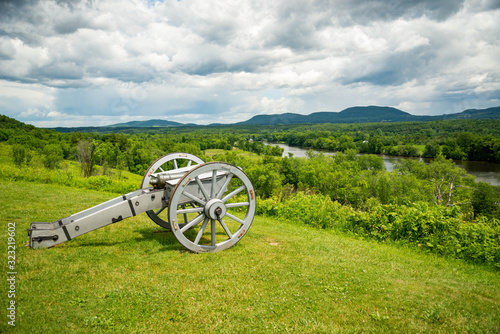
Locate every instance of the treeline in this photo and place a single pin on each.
(345, 177)
(361, 181)
(473, 140)
(133, 152)
(458, 140)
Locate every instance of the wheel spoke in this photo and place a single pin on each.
(225, 228)
(235, 205)
(160, 210)
(194, 198)
(214, 181)
(235, 218)
(184, 214)
(200, 232)
(195, 209)
(224, 186)
(203, 190)
(195, 221)
(189, 163)
(233, 193)
(213, 232)
(175, 164)
(161, 169)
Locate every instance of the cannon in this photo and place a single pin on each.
(179, 192)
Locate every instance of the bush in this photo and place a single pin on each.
(441, 230)
(20, 155)
(53, 156)
(484, 200)
(67, 178)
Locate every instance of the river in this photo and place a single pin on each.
(483, 171)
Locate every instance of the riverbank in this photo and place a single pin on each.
(483, 171)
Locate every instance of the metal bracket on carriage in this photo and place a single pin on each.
(194, 194)
(43, 235)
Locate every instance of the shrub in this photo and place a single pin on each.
(441, 230)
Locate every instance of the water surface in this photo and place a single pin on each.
(483, 171)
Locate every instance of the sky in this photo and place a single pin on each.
(91, 63)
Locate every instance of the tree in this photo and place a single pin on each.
(19, 155)
(445, 176)
(410, 166)
(451, 150)
(371, 162)
(53, 155)
(266, 179)
(432, 150)
(484, 200)
(410, 151)
(85, 153)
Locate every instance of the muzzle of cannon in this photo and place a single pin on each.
(208, 206)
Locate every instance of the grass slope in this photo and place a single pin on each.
(133, 277)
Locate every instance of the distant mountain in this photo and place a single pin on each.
(10, 123)
(362, 115)
(288, 118)
(152, 123)
(490, 113)
(368, 114)
(350, 115)
(125, 127)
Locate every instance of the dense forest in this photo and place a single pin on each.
(346, 177)
(458, 140)
(440, 191)
(472, 140)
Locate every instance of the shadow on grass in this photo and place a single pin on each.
(94, 243)
(162, 236)
(168, 240)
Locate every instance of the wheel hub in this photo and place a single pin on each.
(215, 209)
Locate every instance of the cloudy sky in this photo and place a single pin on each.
(98, 62)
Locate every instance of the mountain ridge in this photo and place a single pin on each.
(367, 114)
(152, 123)
(358, 114)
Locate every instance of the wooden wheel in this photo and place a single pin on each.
(223, 207)
(168, 164)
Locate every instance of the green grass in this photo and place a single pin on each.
(133, 277)
(421, 148)
(68, 173)
(240, 153)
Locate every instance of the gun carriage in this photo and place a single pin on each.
(208, 207)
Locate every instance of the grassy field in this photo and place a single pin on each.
(133, 277)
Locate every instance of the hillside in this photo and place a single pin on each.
(133, 276)
(146, 124)
(11, 123)
(369, 114)
(362, 115)
(350, 115)
(287, 118)
(306, 265)
(490, 113)
(366, 114)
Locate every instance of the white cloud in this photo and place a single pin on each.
(32, 113)
(104, 61)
